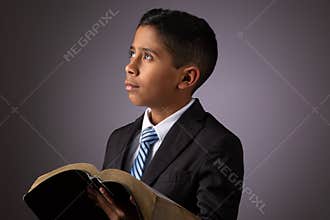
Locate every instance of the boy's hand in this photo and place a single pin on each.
(105, 202)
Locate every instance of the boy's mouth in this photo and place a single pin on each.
(130, 86)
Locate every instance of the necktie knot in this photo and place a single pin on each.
(149, 136)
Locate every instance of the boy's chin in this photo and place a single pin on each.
(137, 102)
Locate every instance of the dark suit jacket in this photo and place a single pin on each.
(199, 164)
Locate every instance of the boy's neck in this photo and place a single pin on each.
(159, 114)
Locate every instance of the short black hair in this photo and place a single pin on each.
(189, 39)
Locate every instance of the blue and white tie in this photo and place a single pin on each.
(148, 139)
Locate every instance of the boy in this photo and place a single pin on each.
(175, 145)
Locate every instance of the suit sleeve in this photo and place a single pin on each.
(220, 181)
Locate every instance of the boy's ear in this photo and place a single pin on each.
(189, 77)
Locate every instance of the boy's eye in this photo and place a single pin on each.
(131, 53)
(147, 57)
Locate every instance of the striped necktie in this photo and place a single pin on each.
(148, 139)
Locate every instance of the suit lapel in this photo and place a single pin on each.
(176, 140)
(124, 143)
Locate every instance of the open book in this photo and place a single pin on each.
(61, 194)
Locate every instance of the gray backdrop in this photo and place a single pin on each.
(270, 87)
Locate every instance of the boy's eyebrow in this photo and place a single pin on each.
(145, 49)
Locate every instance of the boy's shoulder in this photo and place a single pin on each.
(215, 126)
(215, 132)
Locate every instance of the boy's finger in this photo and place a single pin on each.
(107, 204)
(91, 193)
(106, 195)
(132, 200)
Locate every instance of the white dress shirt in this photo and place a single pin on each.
(161, 129)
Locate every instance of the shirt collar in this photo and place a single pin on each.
(165, 125)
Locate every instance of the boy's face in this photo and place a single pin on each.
(151, 78)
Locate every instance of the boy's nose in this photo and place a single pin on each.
(130, 69)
